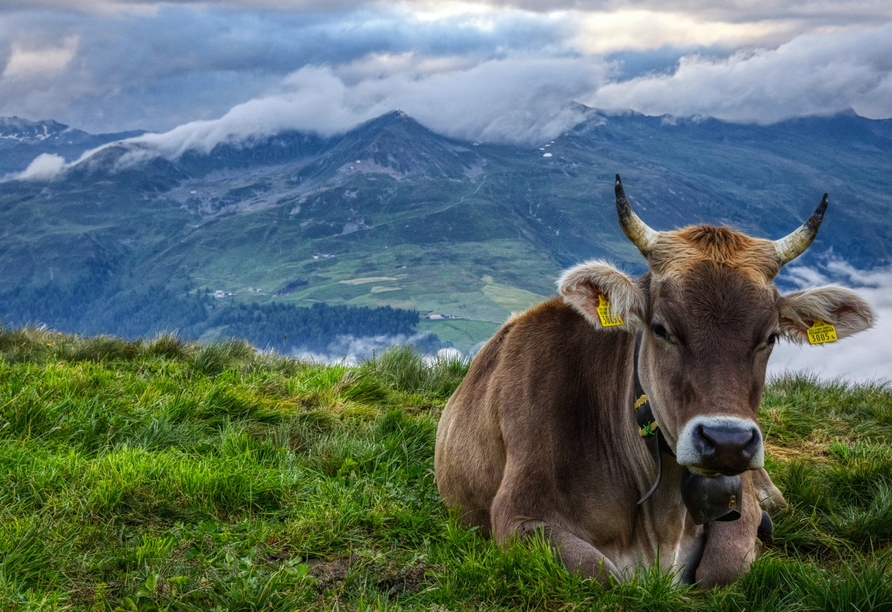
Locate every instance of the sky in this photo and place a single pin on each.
(496, 70)
(864, 357)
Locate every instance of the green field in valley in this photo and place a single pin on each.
(161, 475)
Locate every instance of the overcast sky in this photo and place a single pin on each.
(486, 69)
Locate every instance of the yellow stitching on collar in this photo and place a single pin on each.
(650, 429)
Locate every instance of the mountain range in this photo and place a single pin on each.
(129, 241)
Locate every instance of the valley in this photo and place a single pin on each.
(130, 242)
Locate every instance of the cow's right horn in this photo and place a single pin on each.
(793, 245)
(637, 230)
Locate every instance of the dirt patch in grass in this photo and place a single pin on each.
(411, 579)
(329, 573)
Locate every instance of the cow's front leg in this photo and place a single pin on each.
(731, 547)
(510, 523)
(575, 553)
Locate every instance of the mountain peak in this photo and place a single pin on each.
(396, 118)
(29, 132)
(397, 144)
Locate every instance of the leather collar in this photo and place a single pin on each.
(648, 428)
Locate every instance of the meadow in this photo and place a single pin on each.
(164, 475)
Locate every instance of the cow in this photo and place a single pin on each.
(544, 435)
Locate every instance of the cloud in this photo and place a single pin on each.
(839, 11)
(816, 74)
(131, 64)
(525, 98)
(118, 7)
(864, 357)
(45, 167)
(351, 350)
(513, 100)
(641, 30)
(25, 62)
(182, 63)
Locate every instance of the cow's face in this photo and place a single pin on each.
(709, 315)
(703, 360)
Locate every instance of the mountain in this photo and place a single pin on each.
(14, 130)
(391, 213)
(22, 140)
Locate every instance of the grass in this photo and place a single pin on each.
(161, 475)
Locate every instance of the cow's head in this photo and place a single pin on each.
(709, 315)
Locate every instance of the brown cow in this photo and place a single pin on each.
(542, 436)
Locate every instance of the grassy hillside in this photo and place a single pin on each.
(159, 475)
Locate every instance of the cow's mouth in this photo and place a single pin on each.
(711, 473)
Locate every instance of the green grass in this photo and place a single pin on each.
(161, 475)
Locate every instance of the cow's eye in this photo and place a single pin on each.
(660, 331)
(772, 339)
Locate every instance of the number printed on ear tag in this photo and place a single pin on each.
(821, 332)
(608, 318)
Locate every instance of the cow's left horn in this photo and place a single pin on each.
(792, 246)
(637, 230)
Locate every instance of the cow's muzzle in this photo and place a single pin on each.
(721, 445)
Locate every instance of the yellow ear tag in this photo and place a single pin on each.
(821, 332)
(608, 319)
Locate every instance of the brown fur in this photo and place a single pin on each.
(679, 250)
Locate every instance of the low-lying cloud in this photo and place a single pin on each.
(44, 167)
(351, 350)
(512, 100)
(863, 357)
(516, 100)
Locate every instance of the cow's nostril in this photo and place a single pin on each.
(705, 441)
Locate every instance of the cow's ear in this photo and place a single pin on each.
(589, 286)
(838, 306)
